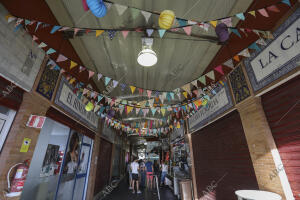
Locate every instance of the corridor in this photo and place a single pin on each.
(122, 192)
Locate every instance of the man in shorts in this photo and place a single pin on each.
(149, 172)
(135, 175)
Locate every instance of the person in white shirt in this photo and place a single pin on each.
(164, 172)
(135, 175)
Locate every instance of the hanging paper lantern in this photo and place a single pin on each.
(222, 32)
(166, 19)
(89, 106)
(97, 7)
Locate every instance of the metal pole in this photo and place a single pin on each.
(156, 180)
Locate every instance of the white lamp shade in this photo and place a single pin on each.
(147, 58)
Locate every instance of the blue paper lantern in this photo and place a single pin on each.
(97, 7)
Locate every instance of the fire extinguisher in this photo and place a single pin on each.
(15, 189)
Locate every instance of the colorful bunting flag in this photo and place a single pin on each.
(91, 73)
(125, 33)
(99, 32)
(149, 93)
(287, 2)
(219, 69)
(211, 75)
(120, 8)
(161, 32)
(188, 30)
(254, 47)
(50, 51)
(227, 21)
(263, 12)
(214, 23)
(229, 63)
(182, 22)
(132, 88)
(241, 16)
(115, 83)
(236, 58)
(72, 64)
(235, 31)
(252, 13)
(273, 8)
(61, 58)
(99, 76)
(244, 53)
(106, 80)
(134, 12)
(111, 34)
(185, 94)
(149, 32)
(147, 15)
(202, 79)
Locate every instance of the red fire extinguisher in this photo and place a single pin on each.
(15, 189)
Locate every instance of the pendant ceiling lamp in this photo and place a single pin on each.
(147, 57)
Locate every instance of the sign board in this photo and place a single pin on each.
(36, 121)
(278, 57)
(25, 145)
(67, 100)
(20, 59)
(216, 105)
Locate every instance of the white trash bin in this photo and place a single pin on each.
(256, 195)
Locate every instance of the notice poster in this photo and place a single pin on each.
(50, 161)
(84, 159)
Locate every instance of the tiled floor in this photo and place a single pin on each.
(123, 193)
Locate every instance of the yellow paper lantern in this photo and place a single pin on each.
(166, 19)
(89, 106)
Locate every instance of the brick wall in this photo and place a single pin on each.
(10, 155)
(260, 143)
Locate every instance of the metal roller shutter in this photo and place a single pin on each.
(282, 109)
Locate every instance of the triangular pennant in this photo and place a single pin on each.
(254, 47)
(244, 53)
(188, 30)
(99, 32)
(273, 8)
(42, 45)
(241, 16)
(261, 42)
(236, 58)
(72, 64)
(229, 63)
(263, 12)
(191, 22)
(111, 34)
(129, 109)
(91, 73)
(211, 75)
(37, 26)
(141, 91)
(235, 31)
(182, 22)
(54, 29)
(147, 15)
(252, 13)
(161, 32)
(125, 33)
(61, 58)
(214, 23)
(120, 8)
(185, 94)
(287, 2)
(172, 95)
(108, 5)
(134, 12)
(50, 51)
(106, 80)
(149, 32)
(194, 83)
(137, 110)
(163, 111)
(219, 69)
(187, 88)
(202, 79)
(9, 18)
(227, 21)
(76, 31)
(132, 88)
(99, 76)
(115, 83)
(149, 93)
(145, 111)
(153, 110)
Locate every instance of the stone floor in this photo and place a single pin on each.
(123, 193)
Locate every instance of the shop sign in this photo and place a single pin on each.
(35, 121)
(66, 99)
(278, 57)
(216, 105)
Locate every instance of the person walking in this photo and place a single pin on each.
(142, 173)
(135, 175)
(156, 168)
(129, 174)
(164, 172)
(149, 172)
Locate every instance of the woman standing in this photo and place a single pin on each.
(164, 172)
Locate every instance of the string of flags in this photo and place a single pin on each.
(184, 24)
(186, 91)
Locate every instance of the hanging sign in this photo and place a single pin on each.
(279, 57)
(67, 100)
(217, 105)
